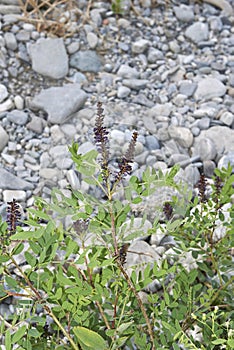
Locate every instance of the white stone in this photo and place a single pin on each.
(209, 88)
(3, 138)
(5, 106)
(18, 195)
(19, 102)
(3, 92)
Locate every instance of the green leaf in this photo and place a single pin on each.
(18, 334)
(219, 341)
(230, 342)
(137, 200)
(8, 343)
(18, 249)
(4, 258)
(124, 326)
(88, 339)
(25, 235)
(11, 282)
(31, 260)
(34, 333)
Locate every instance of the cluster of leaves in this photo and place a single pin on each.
(74, 291)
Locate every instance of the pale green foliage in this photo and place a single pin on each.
(81, 286)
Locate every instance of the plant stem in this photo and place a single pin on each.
(45, 307)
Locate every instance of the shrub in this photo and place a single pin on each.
(66, 267)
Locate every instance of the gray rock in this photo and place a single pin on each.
(17, 117)
(60, 102)
(3, 138)
(187, 88)
(209, 88)
(154, 55)
(128, 72)
(197, 32)
(161, 110)
(151, 142)
(191, 175)
(184, 13)
(36, 125)
(10, 9)
(92, 40)
(222, 136)
(3, 93)
(123, 92)
(208, 168)
(86, 61)
(228, 158)
(204, 123)
(135, 84)
(10, 40)
(140, 46)
(60, 151)
(206, 149)
(9, 181)
(73, 47)
(227, 118)
(73, 179)
(150, 124)
(49, 57)
(23, 35)
(96, 17)
(183, 136)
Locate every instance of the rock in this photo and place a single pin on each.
(140, 46)
(73, 47)
(183, 136)
(73, 179)
(3, 138)
(154, 55)
(208, 168)
(48, 173)
(135, 84)
(222, 136)
(209, 88)
(36, 125)
(191, 175)
(204, 123)
(9, 195)
(128, 72)
(184, 13)
(10, 40)
(205, 149)
(9, 9)
(86, 61)
(139, 255)
(17, 117)
(187, 88)
(197, 32)
(92, 40)
(123, 92)
(117, 136)
(150, 124)
(161, 110)
(19, 102)
(49, 57)
(60, 102)
(9, 181)
(3, 93)
(228, 158)
(227, 118)
(151, 142)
